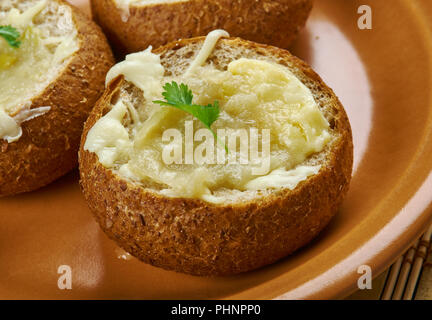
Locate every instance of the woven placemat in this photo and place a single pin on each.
(410, 277)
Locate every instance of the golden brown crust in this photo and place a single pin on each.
(49, 144)
(200, 238)
(159, 24)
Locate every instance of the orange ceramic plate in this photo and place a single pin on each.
(383, 77)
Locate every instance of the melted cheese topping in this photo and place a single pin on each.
(10, 127)
(109, 138)
(206, 50)
(251, 94)
(143, 69)
(27, 70)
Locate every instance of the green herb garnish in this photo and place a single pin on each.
(11, 35)
(181, 97)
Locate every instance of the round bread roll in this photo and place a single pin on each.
(133, 25)
(50, 82)
(246, 229)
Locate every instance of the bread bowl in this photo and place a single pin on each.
(234, 221)
(133, 25)
(49, 85)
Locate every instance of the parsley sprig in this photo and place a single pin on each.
(181, 97)
(11, 35)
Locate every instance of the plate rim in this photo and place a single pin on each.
(343, 286)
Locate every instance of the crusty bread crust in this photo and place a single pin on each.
(158, 24)
(49, 143)
(201, 238)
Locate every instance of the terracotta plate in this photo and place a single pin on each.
(383, 77)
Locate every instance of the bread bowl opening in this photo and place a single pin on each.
(253, 92)
(48, 39)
